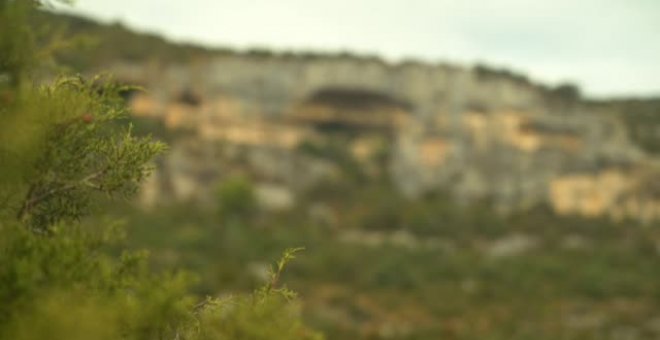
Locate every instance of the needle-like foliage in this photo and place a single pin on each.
(65, 143)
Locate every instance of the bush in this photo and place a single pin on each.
(236, 198)
(63, 146)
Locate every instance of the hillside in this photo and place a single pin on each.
(478, 133)
(435, 201)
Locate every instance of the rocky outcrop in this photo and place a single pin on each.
(488, 137)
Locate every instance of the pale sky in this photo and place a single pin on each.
(607, 47)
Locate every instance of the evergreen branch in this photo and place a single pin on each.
(31, 202)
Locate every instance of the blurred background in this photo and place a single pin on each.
(454, 169)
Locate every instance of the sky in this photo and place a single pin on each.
(607, 47)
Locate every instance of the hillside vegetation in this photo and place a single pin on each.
(376, 265)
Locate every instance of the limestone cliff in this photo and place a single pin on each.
(481, 137)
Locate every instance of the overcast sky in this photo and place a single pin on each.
(607, 47)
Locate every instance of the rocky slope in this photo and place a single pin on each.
(480, 134)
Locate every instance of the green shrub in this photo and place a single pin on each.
(236, 198)
(63, 146)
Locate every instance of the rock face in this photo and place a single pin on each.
(479, 135)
